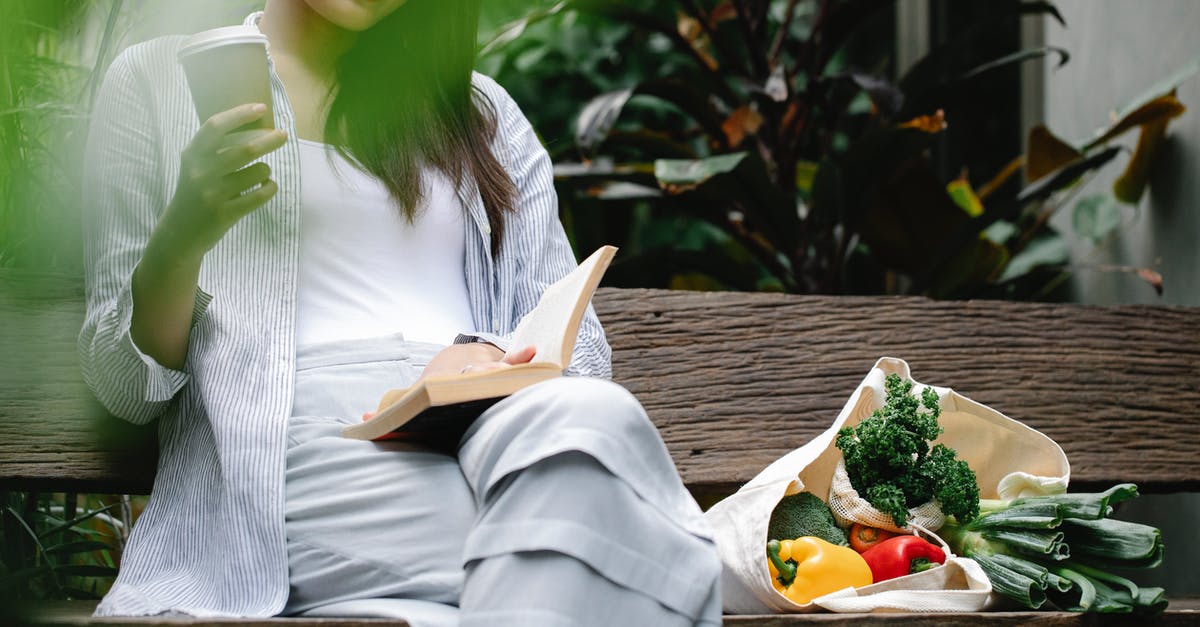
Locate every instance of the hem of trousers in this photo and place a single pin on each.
(684, 594)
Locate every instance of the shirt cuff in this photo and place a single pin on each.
(162, 383)
(499, 341)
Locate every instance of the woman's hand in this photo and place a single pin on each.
(216, 187)
(474, 357)
(464, 358)
(208, 200)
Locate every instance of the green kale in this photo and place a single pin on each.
(891, 465)
(804, 514)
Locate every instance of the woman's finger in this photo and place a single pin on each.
(237, 208)
(256, 144)
(523, 355)
(248, 177)
(209, 137)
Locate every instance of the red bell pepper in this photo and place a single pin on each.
(902, 555)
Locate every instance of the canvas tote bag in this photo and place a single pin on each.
(1009, 459)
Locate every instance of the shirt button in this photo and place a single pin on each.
(487, 229)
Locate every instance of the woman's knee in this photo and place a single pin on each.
(589, 403)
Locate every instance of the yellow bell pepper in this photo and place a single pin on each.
(806, 568)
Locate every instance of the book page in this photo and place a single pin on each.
(552, 325)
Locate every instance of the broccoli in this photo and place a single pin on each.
(804, 514)
(891, 465)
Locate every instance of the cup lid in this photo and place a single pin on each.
(226, 35)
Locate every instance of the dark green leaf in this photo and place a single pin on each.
(80, 546)
(1096, 216)
(1020, 56)
(516, 28)
(68, 524)
(77, 570)
(599, 115)
(1047, 250)
(1065, 176)
(689, 173)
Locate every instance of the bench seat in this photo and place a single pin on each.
(733, 381)
(1183, 612)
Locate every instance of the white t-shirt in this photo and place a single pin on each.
(365, 270)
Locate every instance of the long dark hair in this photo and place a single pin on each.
(404, 99)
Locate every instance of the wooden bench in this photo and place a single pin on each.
(733, 381)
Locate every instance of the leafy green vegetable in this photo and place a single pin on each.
(1057, 548)
(804, 514)
(890, 463)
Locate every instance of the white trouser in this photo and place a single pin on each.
(562, 507)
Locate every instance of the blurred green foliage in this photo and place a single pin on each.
(765, 145)
(60, 546)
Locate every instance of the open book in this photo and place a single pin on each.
(438, 410)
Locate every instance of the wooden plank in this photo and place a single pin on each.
(1181, 612)
(735, 380)
(732, 380)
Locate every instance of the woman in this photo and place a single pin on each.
(254, 295)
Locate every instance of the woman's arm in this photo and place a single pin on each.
(131, 255)
(213, 193)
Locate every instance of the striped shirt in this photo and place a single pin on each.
(211, 540)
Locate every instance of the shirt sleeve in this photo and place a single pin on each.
(123, 181)
(535, 236)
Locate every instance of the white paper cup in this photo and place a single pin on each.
(227, 67)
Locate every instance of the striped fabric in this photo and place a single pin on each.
(211, 540)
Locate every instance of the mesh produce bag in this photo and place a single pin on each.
(848, 508)
(1009, 459)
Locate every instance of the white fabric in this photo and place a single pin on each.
(535, 521)
(367, 271)
(994, 445)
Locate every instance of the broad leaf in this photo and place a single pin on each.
(843, 189)
(621, 190)
(1162, 88)
(1095, 217)
(1129, 186)
(693, 33)
(978, 264)
(1160, 109)
(598, 116)
(961, 193)
(1046, 250)
(1064, 176)
(910, 218)
(1047, 153)
(932, 124)
(887, 98)
(679, 175)
(742, 122)
(513, 30)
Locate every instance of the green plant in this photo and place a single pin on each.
(57, 546)
(740, 144)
